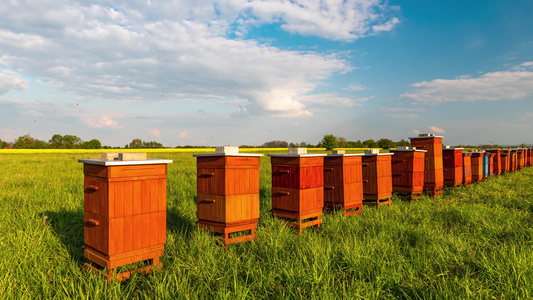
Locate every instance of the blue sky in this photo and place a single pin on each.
(249, 71)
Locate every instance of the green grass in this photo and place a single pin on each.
(473, 243)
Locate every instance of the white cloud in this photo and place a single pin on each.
(356, 87)
(10, 80)
(139, 50)
(417, 132)
(402, 109)
(436, 129)
(184, 135)
(489, 86)
(331, 100)
(102, 122)
(388, 26)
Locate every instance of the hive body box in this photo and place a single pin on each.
(377, 179)
(491, 163)
(434, 175)
(125, 213)
(298, 189)
(228, 194)
(408, 173)
(477, 166)
(505, 161)
(452, 160)
(512, 161)
(486, 166)
(467, 169)
(496, 161)
(343, 183)
(530, 157)
(519, 159)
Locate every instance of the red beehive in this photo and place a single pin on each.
(453, 166)
(228, 193)
(377, 178)
(477, 166)
(497, 161)
(506, 161)
(530, 157)
(343, 182)
(434, 175)
(491, 163)
(519, 159)
(467, 169)
(125, 213)
(512, 160)
(298, 188)
(408, 172)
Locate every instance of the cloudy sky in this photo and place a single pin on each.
(250, 71)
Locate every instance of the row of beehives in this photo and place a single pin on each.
(125, 201)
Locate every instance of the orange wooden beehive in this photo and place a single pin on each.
(408, 172)
(125, 213)
(530, 157)
(519, 159)
(491, 163)
(452, 162)
(467, 169)
(434, 174)
(477, 166)
(343, 183)
(298, 189)
(497, 161)
(512, 160)
(377, 178)
(506, 161)
(228, 194)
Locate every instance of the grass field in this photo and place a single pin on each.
(472, 243)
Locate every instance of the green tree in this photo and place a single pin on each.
(386, 144)
(136, 143)
(71, 142)
(342, 141)
(92, 144)
(370, 144)
(56, 141)
(403, 142)
(27, 142)
(329, 141)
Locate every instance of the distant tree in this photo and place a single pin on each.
(27, 142)
(386, 144)
(523, 145)
(3, 144)
(56, 141)
(275, 144)
(136, 143)
(92, 144)
(71, 142)
(357, 144)
(301, 145)
(342, 141)
(152, 144)
(329, 141)
(370, 144)
(403, 142)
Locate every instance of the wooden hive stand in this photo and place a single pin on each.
(467, 169)
(408, 172)
(125, 214)
(496, 161)
(228, 194)
(343, 182)
(377, 178)
(434, 174)
(453, 166)
(298, 188)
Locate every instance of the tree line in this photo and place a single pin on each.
(330, 141)
(70, 142)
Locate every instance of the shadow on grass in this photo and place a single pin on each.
(180, 222)
(68, 227)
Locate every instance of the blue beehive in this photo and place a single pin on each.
(485, 166)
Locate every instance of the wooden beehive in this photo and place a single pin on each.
(512, 161)
(298, 189)
(228, 194)
(505, 161)
(485, 166)
(530, 157)
(477, 166)
(519, 159)
(377, 179)
(125, 213)
(452, 161)
(408, 172)
(467, 168)
(491, 163)
(343, 183)
(497, 161)
(434, 174)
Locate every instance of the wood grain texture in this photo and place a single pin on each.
(434, 176)
(408, 171)
(377, 177)
(453, 166)
(343, 181)
(477, 167)
(497, 161)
